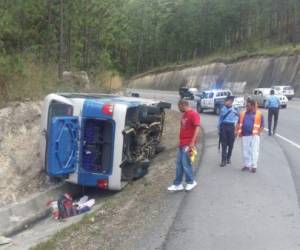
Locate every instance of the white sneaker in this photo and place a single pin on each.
(4, 240)
(176, 188)
(189, 187)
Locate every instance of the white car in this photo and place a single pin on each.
(260, 95)
(214, 100)
(287, 91)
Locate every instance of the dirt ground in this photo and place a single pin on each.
(127, 216)
(20, 165)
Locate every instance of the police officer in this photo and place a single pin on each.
(227, 121)
(273, 104)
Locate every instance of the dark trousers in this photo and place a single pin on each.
(227, 138)
(273, 113)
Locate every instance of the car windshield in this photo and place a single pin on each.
(277, 88)
(267, 91)
(288, 88)
(199, 94)
(207, 95)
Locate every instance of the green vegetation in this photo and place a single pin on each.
(180, 30)
(226, 57)
(39, 39)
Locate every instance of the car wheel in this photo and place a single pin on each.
(284, 106)
(217, 110)
(199, 109)
(265, 104)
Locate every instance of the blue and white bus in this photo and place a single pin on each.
(100, 140)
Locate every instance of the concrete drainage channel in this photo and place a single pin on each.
(17, 217)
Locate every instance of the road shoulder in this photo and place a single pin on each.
(231, 209)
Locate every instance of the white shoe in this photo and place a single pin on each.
(4, 240)
(176, 188)
(189, 187)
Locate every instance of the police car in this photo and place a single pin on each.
(100, 140)
(214, 100)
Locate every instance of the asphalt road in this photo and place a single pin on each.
(231, 209)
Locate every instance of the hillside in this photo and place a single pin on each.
(39, 40)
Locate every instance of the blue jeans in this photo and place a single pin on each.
(183, 166)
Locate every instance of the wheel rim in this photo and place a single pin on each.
(199, 108)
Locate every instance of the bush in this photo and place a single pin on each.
(23, 78)
(11, 69)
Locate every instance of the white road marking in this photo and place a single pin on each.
(285, 139)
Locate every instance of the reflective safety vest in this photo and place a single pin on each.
(256, 125)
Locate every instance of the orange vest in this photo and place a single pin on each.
(256, 125)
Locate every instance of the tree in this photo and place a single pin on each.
(61, 62)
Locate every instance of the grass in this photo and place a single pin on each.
(229, 56)
(22, 78)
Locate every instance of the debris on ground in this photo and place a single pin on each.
(66, 207)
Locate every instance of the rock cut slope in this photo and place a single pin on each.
(20, 164)
(241, 76)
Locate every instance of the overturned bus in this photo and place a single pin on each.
(100, 140)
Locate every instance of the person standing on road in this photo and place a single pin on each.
(273, 104)
(227, 121)
(249, 127)
(189, 133)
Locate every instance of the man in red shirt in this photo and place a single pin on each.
(189, 133)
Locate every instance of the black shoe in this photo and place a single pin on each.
(228, 161)
(223, 164)
(270, 134)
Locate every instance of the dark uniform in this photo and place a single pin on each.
(273, 104)
(227, 121)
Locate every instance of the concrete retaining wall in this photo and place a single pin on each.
(240, 76)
